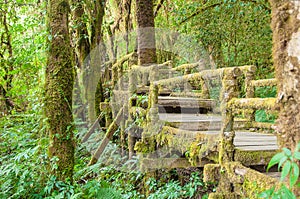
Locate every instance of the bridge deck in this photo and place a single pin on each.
(244, 140)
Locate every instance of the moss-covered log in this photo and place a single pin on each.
(248, 158)
(264, 82)
(148, 164)
(261, 125)
(228, 92)
(256, 103)
(186, 68)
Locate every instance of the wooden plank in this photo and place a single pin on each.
(258, 148)
(175, 117)
(250, 142)
(184, 102)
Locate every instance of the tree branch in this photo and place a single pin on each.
(199, 11)
(160, 3)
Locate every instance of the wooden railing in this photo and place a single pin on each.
(230, 90)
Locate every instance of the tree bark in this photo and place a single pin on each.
(286, 54)
(146, 32)
(58, 91)
(90, 51)
(6, 62)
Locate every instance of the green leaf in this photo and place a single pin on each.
(267, 193)
(298, 147)
(282, 161)
(286, 170)
(287, 151)
(287, 193)
(294, 175)
(297, 155)
(275, 159)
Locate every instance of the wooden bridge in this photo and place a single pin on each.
(187, 123)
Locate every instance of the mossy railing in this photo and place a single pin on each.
(230, 90)
(253, 104)
(235, 180)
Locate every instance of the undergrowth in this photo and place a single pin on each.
(24, 169)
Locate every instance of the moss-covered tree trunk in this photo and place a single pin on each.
(90, 52)
(146, 32)
(286, 53)
(6, 64)
(58, 90)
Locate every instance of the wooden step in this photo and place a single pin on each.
(253, 141)
(252, 149)
(244, 141)
(186, 102)
(198, 122)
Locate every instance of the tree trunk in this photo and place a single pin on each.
(6, 63)
(82, 39)
(90, 53)
(146, 32)
(286, 53)
(58, 91)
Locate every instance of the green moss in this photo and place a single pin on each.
(58, 91)
(205, 146)
(253, 157)
(256, 103)
(211, 173)
(235, 180)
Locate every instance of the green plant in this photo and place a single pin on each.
(173, 189)
(287, 161)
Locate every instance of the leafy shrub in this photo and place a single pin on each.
(287, 162)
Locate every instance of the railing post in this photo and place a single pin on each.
(250, 91)
(119, 75)
(131, 89)
(152, 116)
(229, 91)
(204, 89)
(114, 75)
